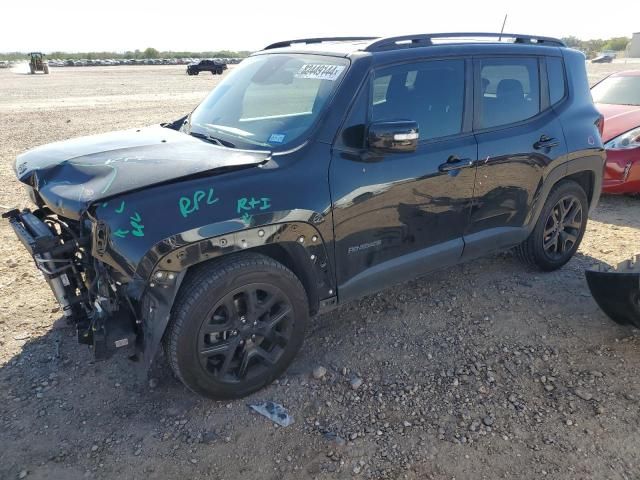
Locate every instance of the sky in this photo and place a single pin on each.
(196, 25)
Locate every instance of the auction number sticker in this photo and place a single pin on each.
(320, 71)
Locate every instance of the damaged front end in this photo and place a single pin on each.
(617, 290)
(121, 218)
(88, 291)
(97, 202)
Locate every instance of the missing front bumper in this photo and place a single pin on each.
(86, 294)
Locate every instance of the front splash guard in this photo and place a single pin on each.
(617, 290)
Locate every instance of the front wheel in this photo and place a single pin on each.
(559, 230)
(236, 325)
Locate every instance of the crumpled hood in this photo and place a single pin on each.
(72, 174)
(618, 119)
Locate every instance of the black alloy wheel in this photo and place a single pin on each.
(563, 227)
(557, 234)
(245, 333)
(236, 325)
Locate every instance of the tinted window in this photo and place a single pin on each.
(618, 90)
(269, 100)
(555, 72)
(352, 134)
(510, 91)
(430, 93)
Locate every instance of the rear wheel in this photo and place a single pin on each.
(559, 230)
(236, 325)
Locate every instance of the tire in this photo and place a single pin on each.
(560, 228)
(196, 72)
(214, 335)
(46, 69)
(32, 70)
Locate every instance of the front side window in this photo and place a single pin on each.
(430, 93)
(268, 100)
(509, 91)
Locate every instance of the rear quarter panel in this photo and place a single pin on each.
(579, 117)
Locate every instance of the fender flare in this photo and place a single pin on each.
(592, 163)
(171, 258)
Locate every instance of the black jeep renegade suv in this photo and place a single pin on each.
(317, 171)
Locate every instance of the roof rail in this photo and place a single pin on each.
(288, 43)
(425, 39)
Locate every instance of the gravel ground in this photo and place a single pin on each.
(486, 370)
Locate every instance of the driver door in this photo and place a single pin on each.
(401, 214)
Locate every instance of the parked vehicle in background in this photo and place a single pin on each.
(617, 97)
(602, 59)
(216, 67)
(316, 172)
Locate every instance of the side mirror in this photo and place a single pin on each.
(397, 136)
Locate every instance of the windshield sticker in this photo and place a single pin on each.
(276, 138)
(320, 72)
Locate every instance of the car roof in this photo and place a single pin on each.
(352, 46)
(331, 48)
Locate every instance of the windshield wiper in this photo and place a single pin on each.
(214, 140)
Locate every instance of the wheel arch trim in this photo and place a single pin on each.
(592, 163)
(297, 244)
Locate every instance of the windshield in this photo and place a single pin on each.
(268, 100)
(618, 91)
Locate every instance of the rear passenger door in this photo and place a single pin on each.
(519, 138)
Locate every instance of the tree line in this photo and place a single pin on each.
(591, 48)
(131, 54)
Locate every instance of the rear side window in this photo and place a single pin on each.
(555, 72)
(509, 91)
(430, 93)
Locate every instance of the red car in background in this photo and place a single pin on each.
(618, 99)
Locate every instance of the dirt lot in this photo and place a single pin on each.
(487, 370)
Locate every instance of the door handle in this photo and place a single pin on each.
(546, 142)
(455, 163)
